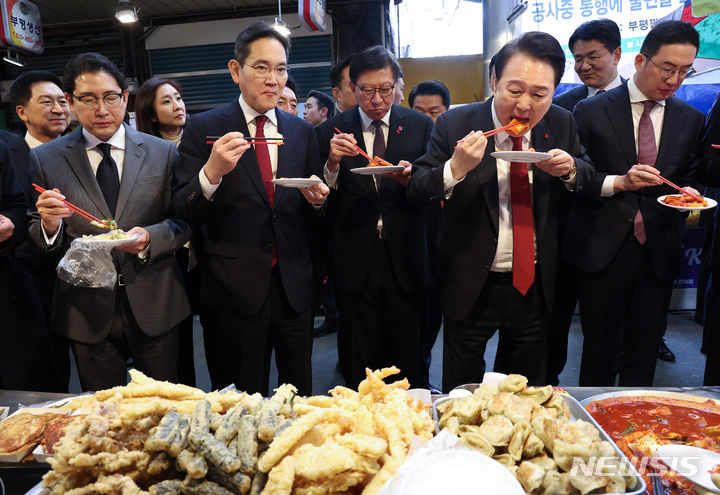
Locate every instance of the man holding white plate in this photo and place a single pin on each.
(498, 241)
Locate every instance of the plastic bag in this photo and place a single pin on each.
(88, 263)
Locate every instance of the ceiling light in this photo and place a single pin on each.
(125, 12)
(13, 58)
(280, 27)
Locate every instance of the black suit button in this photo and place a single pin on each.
(495, 240)
(630, 220)
(486, 268)
(274, 216)
(191, 196)
(268, 245)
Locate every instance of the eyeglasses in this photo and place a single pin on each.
(384, 91)
(668, 73)
(591, 59)
(112, 100)
(262, 71)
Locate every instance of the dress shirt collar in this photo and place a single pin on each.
(367, 121)
(503, 136)
(31, 141)
(251, 113)
(116, 141)
(637, 96)
(613, 84)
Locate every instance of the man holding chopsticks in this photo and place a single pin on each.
(498, 240)
(254, 242)
(625, 243)
(108, 170)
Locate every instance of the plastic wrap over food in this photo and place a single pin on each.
(88, 263)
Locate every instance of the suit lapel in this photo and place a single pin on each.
(235, 121)
(541, 181)
(284, 157)
(619, 115)
(134, 156)
(485, 174)
(354, 125)
(672, 126)
(77, 159)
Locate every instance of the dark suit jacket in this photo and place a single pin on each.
(238, 228)
(598, 226)
(468, 240)
(356, 204)
(709, 169)
(154, 287)
(571, 97)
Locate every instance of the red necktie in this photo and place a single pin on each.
(263, 158)
(647, 155)
(522, 223)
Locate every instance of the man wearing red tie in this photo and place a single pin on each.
(498, 240)
(627, 244)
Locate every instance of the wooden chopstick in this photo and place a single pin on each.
(692, 195)
(360, 150)
(74, 208)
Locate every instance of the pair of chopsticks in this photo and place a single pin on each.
(250, 139)
(692, 195)
(360, 149)
(492, 132)
(77, 210)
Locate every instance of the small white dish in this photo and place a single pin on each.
(711, 203)
(297, 183)
(377, 170)
(521, 156)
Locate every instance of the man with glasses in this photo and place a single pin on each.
(595, 46)
(380, 260)
(255, 265)
(625, 243)
(112, 171)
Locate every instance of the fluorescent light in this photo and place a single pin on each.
(13, 58)
(125, 12)
(280, 27)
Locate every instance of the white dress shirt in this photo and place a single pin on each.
(613, 84)
(657, 116)
(31, 141)
(270, 129)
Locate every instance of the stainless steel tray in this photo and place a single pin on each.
(577, 411)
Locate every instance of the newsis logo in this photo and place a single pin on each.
(613, 466)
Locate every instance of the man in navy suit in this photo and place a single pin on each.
(596, 48)
(255, 265)
(379, 245)
(626, 244)
(498, 239)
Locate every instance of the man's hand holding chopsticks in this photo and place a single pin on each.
(137, 245)
(638, 176)
(225, 154)
(317, 193)
(468, 154)
(6, 228)
(342, 144)
(402, 176)
(52, 210)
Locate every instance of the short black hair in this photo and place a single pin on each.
(21, 88)
(255, 32)
(432, 87)
(336, 71)
(669, 33)
(537, 45)
(290, 83)
(605, 31)
(491, 65)
(374, 58)
(90, 62)
(324, 101)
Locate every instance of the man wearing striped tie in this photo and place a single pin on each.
(625, 243)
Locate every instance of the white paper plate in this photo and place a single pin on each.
(711, 204)
(521, 156)
(296, 182)
(377, 170)
(109, 242)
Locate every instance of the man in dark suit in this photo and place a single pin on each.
(626, 243)
(596, 48)
(40, 103)
(112, 171)
(254, 256)
(380, 260)
(498, 243)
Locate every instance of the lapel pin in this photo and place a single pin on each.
(547, 136)
(399, 130)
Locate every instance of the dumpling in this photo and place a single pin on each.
(565, 453)
(468, 409)
(485, 391)
(616, 484)
(556, 483)
(513, 383)
(545, 462)
(497, 430)
(546, 430)
(505, 460)
(587, 483)
(558, 403)
(497, 403)
(521, 431)
(518, 409)
(470, 436)
(533, 446)
(537, 394)
(530, 476)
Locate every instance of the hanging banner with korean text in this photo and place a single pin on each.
(21, 26)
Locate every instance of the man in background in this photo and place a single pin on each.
(625, 243)
(596, 48)
(399, 89)
(288, 98)
(340, 83)
(431, 98)
(319, 107)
